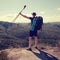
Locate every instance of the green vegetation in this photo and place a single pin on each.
(16, 35)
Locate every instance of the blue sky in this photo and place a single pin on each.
(49, 9)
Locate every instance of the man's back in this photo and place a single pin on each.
(37, 23)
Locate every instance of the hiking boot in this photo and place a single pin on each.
(42, 48)
(36, 47)
(29, 49)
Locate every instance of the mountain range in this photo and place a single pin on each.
(16, 34)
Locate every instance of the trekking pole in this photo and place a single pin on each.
(18, 13)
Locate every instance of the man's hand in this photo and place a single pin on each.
(20, 13)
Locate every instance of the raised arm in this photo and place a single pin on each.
(24, 16)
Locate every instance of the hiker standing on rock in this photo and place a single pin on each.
(33, 30)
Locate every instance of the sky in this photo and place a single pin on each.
(48, 9)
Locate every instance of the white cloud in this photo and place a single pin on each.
(9, 18)
(42, 12)
(20, 19)
(52, 19)
(6, 18)
(58, 9)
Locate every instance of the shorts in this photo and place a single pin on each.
(33, 33)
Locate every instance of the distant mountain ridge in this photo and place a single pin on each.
(16, 34)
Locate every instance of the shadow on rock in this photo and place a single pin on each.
(44, 56)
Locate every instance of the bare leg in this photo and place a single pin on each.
(36, 41)
(30, 42)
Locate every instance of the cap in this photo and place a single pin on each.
(33, 13)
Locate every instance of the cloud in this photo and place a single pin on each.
(52, 19)
(58, 9)
(6, 18)
(9, 18)
(42, 12)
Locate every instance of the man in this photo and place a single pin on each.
(33, 33)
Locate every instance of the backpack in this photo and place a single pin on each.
(37, 23)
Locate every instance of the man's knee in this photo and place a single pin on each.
(30, 37)
(35, 37)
